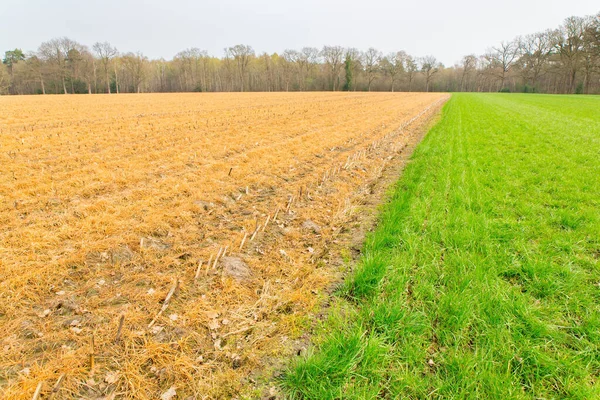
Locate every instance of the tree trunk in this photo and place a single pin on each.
(218, 82)
(10, 74)
(586, 82)
(95, 77)
(43, 86)
(64, 85)
(107, 81)
(116, 79)
(333, 81)
(241, 79)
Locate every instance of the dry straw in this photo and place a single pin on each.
(87, 179)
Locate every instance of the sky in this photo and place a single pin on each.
(161, 28)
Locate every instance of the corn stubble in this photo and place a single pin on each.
(176, 243)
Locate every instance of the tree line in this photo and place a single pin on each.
(561, 60)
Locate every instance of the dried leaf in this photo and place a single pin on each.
(212, 314)
(169, 394)
(156, 329)
(112, 377)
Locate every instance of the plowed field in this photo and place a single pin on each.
(111, 204)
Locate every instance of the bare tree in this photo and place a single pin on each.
(411, 67)
(228, 71)
(87, 69)
(334, 58)
(4, 80)
(135, 65)
(393, 65)
(535, 53)
(183, 62)
(35, 68)
(570, 46)
(159, 72)
(105, 53)
(591, 62)
(502, 59)
(289, 62)
(51, 55)
(372, 59)
(192, 66)
(592, 35)
(241, 55)
(307, 58)
(429, 67)
(116, 66)
(486, 74)
(76, 62)
(266, 62)
(55, 52)
(468, 65)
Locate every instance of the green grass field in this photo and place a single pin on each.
(482, 279)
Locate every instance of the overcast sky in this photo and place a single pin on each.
(161, 28)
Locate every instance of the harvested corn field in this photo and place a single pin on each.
(167, 243)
